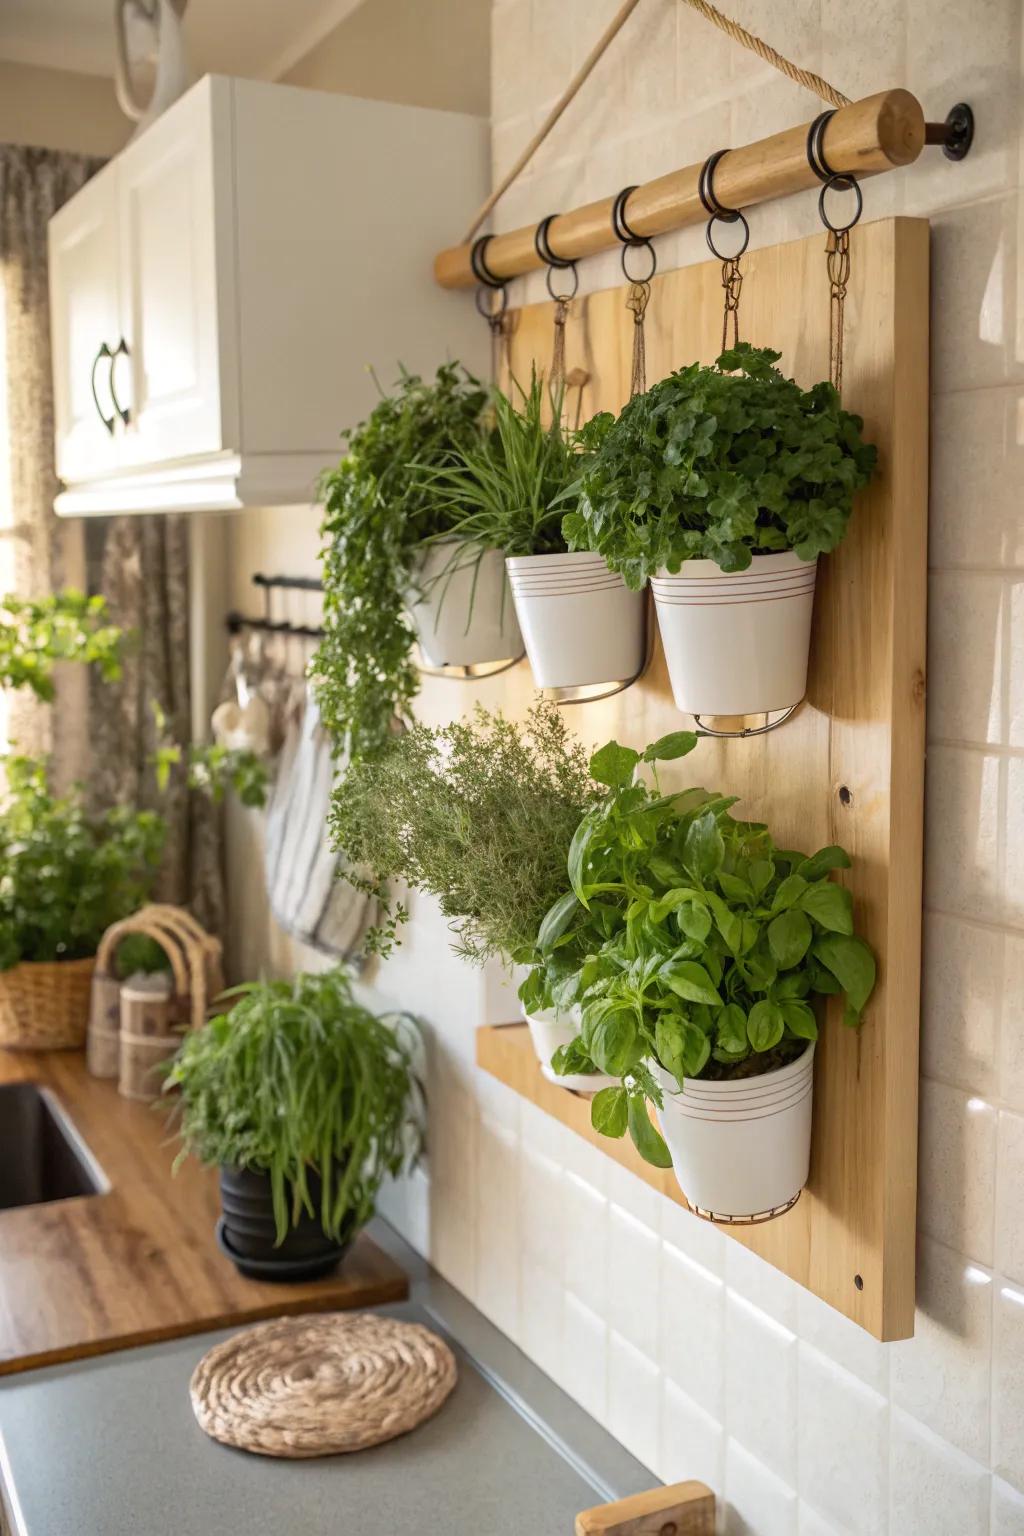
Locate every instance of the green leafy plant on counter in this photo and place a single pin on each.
(503, 489)
(690, 940)
(68, 626)
(66, 874)
(297, 1078)
(480, 814)
(378, 513)
(718, 463)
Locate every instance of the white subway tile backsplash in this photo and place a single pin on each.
(757, 1502)
(962, 866)
(974, 294)
(633, 1280)
(1010, 1198)
(810, 1523)
(977, 453)
(692, 1441)
(542, 1211)
(934, 1490)
(586, 1243)
(834, 1335)
(843, 1439)
(1007, 1509)
(968, 656)
(541, 1317)
(634, 1197)
(1011, 1024)
(692, 1339)
(585, 1357)
(700, 1240)
(1008, 1384)
(957, 1169)
(634, 1399)
(761, 1283)
(941, 1375)
(961, 1004)
(761, 1386)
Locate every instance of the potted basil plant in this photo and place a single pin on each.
(393, 571)
(700, 996)
(306, 1102)
(505, 491)
(478, 815)
(722, 486)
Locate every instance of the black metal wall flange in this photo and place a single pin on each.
(956, 134)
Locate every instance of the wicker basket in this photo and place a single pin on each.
(44, 1005)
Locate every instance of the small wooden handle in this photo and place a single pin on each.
(680, 1509)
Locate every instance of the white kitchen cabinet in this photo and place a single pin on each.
(246, 263)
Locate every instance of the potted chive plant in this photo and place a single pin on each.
(505, 491)
(722, 486)
(699, 996)
(305, 1101)
(480, 815)
(394, 573)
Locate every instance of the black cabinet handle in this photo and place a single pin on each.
(104, 351)
(123, 411)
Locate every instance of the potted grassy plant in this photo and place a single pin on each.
(722, 486)
(479, 815)
(505, 490)
(305, 1101)
(708, 947)
(388, 582)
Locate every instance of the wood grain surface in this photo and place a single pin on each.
(849, 766)
(80, 1277)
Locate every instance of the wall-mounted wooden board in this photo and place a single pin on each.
(849, 767)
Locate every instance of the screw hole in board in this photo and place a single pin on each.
(845, 795)
(858, 1281)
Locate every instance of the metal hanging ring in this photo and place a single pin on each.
(729, 216)
(483, 303)
(542, 245)
(630, 239)
(478, 262)
(815, 146)
(706, 190)
(563, 298)
(840, 183)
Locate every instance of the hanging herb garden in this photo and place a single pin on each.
(378, 513)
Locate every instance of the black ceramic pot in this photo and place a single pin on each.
(247, 1231)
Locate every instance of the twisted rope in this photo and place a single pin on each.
(805, 77)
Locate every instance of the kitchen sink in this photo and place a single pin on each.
(42, 1156)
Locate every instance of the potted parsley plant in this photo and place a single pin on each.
(722, 486)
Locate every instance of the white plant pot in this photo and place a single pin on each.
(463, 612)
(549, 1030)
(740, 1148)
(581, 624)
(737, 643)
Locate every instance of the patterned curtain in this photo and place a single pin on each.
(140, 564)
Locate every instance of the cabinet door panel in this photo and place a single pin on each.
(169, 289)
(83, 257)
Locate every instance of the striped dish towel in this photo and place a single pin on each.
(308, 897)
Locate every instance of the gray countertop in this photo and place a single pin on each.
(109, 1447)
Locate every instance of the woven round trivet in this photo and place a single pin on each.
(314, 1386)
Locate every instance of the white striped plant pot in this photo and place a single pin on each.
(736, 643)
(549, 1030)
(740, 1148)
(581, 624)
(463, 611)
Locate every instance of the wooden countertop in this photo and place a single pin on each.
(84, 1276)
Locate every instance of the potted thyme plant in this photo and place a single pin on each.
(704, 948)
(394, 573)
(305, 1101)
(506, 490)
(480, 815)
(722, 486)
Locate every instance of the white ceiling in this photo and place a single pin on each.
(258, 39)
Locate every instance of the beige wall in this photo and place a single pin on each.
(424, 53)
(59, 109)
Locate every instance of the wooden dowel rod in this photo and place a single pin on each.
(866, 138)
